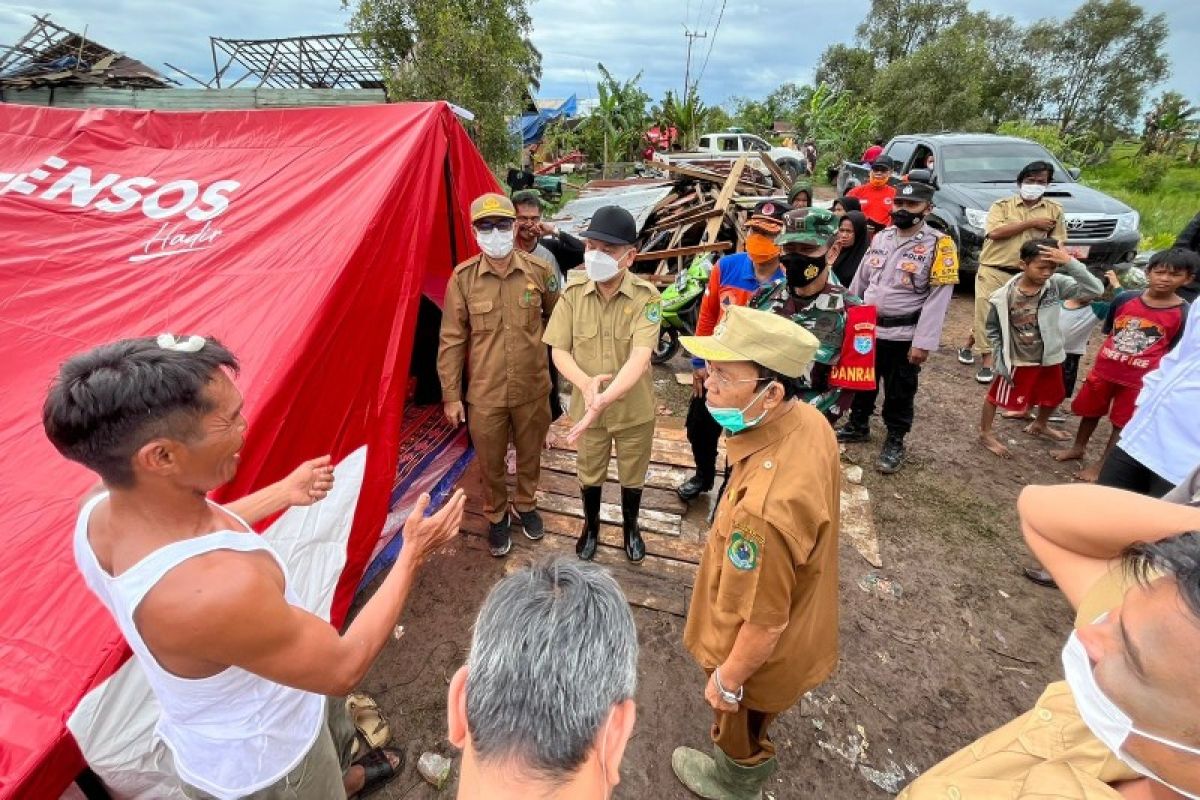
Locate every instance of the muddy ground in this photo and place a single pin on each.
(945, 642)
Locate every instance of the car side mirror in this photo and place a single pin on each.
(1074, 172)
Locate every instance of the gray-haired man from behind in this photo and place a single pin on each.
(544, 705)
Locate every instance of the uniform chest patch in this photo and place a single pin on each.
(744, 550)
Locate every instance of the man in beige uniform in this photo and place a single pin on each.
(1011, 221)
(495, 311)
(1123, 723)
(602, 334)
(763, 621)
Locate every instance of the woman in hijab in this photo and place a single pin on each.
(844, 204)
(849, 246)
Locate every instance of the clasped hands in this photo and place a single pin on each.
(595, 400)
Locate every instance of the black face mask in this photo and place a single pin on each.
(801, 269)
(904, 219)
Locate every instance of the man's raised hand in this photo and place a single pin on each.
(309, 482)
(424, 535)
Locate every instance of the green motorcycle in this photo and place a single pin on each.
(681, 307)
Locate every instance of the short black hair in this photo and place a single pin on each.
(1177, 556)
(1176, 258)
(791, 386)
(528, 197)
(1033, 248)
(107, 403)
(1033, 168)
(879, 141)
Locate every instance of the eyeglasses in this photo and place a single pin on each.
(489, 225)
(724, 381)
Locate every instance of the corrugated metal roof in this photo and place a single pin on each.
(638, 199)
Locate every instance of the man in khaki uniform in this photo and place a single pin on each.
(1011, 221)
(763, 621)
(495, 311)
(1123, 723)
(602, 335)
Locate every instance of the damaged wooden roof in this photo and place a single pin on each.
(51, 55)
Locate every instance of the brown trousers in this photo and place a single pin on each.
(987, 281)
(743, 736)
(491, 431)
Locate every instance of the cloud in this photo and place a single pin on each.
(758, 45)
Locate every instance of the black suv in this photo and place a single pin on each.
(973, 170)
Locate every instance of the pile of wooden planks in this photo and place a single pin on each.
(704, 213)
(674, 540)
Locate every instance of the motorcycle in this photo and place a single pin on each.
(681, 307)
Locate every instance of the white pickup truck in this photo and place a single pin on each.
(733, 145)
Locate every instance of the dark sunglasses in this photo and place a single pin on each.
(489, 225)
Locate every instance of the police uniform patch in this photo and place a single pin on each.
(743, 551)
(654, 312)
(920, 250)
(945, 265)
(552, 283)
(863, 343)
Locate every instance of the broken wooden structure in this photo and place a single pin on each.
(702, 209)
(49, 55)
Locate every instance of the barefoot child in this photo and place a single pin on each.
(1026, 338)
(1079, 317)
(1142, 327)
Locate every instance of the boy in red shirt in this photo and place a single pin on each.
(876, 196)
(1141, 327)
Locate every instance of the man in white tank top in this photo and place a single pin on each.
(241, 671)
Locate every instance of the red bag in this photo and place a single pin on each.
(855, 368)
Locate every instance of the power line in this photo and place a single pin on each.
(687, 70)
(711, 42)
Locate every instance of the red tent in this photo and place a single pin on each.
(302, 238)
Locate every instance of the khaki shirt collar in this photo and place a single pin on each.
(626, 288)
(747, 443)
(1017, 202)
(518, 261)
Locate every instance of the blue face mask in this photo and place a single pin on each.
(734, 419)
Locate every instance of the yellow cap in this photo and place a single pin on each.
(492, 205)
(767, 339)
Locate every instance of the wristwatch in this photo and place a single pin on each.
(726, 695)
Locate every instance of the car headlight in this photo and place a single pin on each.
(1128, 223)
(976, 218)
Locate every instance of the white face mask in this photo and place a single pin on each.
(1032, 191)
(495, 243)
(1109, 724)
(600, 266)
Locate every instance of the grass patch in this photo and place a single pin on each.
(1165, 210)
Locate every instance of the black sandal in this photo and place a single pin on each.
(378, 769)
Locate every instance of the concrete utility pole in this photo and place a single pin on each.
(687, 70)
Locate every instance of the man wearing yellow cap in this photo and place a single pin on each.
(763, 622)
(495, 313)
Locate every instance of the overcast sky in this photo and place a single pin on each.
(758, 45)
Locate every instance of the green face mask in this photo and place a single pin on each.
(734, 419)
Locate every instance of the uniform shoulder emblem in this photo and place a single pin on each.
(945, 263)
(745, 549)
(552, 283)
(654, 311)
(576, 277)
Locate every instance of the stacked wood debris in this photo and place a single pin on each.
(704, 211)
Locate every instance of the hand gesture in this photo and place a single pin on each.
(1114, 282)
(713, 695)
(546, 229)
(454, 411)
(917, 356)
(589, 417)
(424, 535)
(1056, 254)
(698, 378)
(309, 482)
(593, 388)
(1044, 225)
